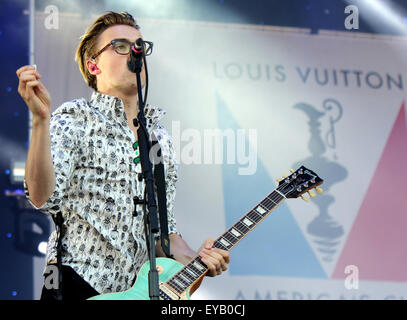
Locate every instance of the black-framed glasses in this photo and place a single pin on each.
(123, 47)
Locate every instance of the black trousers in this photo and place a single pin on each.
(74, 288)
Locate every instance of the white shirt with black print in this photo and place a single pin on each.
(96, 180)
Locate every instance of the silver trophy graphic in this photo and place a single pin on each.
(326, 232)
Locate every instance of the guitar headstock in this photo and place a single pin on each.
(300, 182)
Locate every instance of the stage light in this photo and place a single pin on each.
(32, 232)
(42, 247)
(31, 228)
(17, 172)
(376, 11)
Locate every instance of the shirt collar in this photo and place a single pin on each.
(113, 108)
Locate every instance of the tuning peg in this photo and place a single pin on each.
(304, 198)
(311, 194)
(319, 190)
(285, 176)
(292, 170)
(278, 180)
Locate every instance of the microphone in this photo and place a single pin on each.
(135, 61)
(138, 47)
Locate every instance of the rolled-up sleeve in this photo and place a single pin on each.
(64, 150)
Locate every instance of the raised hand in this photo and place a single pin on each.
(33, 92)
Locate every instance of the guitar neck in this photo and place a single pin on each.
(196, 268)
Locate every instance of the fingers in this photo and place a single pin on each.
(22, 69)
(26, 89)
(27, 75)
(33, 92)
(215, 267)
(33, 83)
(208, 243)
(213, 270)
(220, 257)
(216, 260)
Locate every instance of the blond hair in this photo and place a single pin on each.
(87, 47)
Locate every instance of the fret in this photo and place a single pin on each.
(195, 269)
(176, 284)
(248, 222)
(228, 240)
(260, 210)
(185, 278)
(275, 197)
(219, 245)
(242, 227)
(193, 274)
(187, 274)
(271, 200)
(254, 216)
(279, 192)
(230, 237)
(235, 233)
(199, 266)
(184, 284)
(225, 243)
(268, 204)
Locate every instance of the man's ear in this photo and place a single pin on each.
(92, 67)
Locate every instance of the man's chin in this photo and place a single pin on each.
(129, 86)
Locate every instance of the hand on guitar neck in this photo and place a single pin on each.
(216, 259)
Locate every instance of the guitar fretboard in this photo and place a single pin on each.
(196, 268)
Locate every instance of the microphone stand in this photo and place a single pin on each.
(135, 65)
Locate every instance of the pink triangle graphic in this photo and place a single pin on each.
(377, 243)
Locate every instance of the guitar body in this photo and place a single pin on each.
(139, 291)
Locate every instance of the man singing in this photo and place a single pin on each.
(83, 162)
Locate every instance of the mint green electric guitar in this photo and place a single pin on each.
(177, 281)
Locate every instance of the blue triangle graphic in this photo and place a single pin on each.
(277, 247)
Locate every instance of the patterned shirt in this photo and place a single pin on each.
(96, 180)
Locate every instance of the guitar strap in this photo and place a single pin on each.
(159, 179)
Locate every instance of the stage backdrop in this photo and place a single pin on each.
(244, 105)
